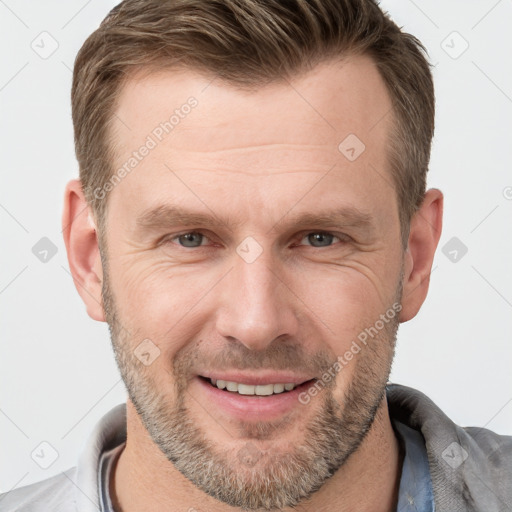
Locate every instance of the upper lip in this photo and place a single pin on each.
(259, 379)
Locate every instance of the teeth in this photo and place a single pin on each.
(249, 389)
(246, 389)
(279, 388)
(232, 386)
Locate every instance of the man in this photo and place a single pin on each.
(252, 222)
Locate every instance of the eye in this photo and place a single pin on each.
(195, 239)
(320, 239)
(189, 240)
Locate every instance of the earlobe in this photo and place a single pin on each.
(80, 238)
(424, 235)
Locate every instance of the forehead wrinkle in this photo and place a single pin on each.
(280, 157)
(258, 147)
(267, 172)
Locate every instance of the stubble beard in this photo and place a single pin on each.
(247, 477)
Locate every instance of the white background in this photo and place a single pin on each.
(57, 368)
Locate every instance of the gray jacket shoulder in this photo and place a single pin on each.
(497, 448)
(471, 467)
(56, 494)
(490, 477)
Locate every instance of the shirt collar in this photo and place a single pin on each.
(415, 493)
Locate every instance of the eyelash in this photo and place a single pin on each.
(340, 236)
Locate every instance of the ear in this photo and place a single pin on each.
(82, 248)
(425, 231)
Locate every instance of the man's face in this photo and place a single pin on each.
(269, 291)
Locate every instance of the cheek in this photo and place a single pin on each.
(160, 301)
(346, 305)
(342, 302)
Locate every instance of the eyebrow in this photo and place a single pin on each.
(167, 216)
(343, 217)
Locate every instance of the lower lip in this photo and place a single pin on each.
(252, 407)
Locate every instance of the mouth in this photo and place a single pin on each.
(252, 398)
(261, 390)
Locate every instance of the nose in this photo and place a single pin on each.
(256, 305)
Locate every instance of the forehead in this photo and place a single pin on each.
(198, 128)
(333, 99)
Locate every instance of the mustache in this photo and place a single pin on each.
(280, 355)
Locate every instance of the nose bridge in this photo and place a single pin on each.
(255, 308)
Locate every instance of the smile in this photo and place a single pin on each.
(250, 389)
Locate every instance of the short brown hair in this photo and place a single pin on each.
(250, 43)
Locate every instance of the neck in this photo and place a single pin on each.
(144, 480)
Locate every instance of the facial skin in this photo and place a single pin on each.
(254, 162)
